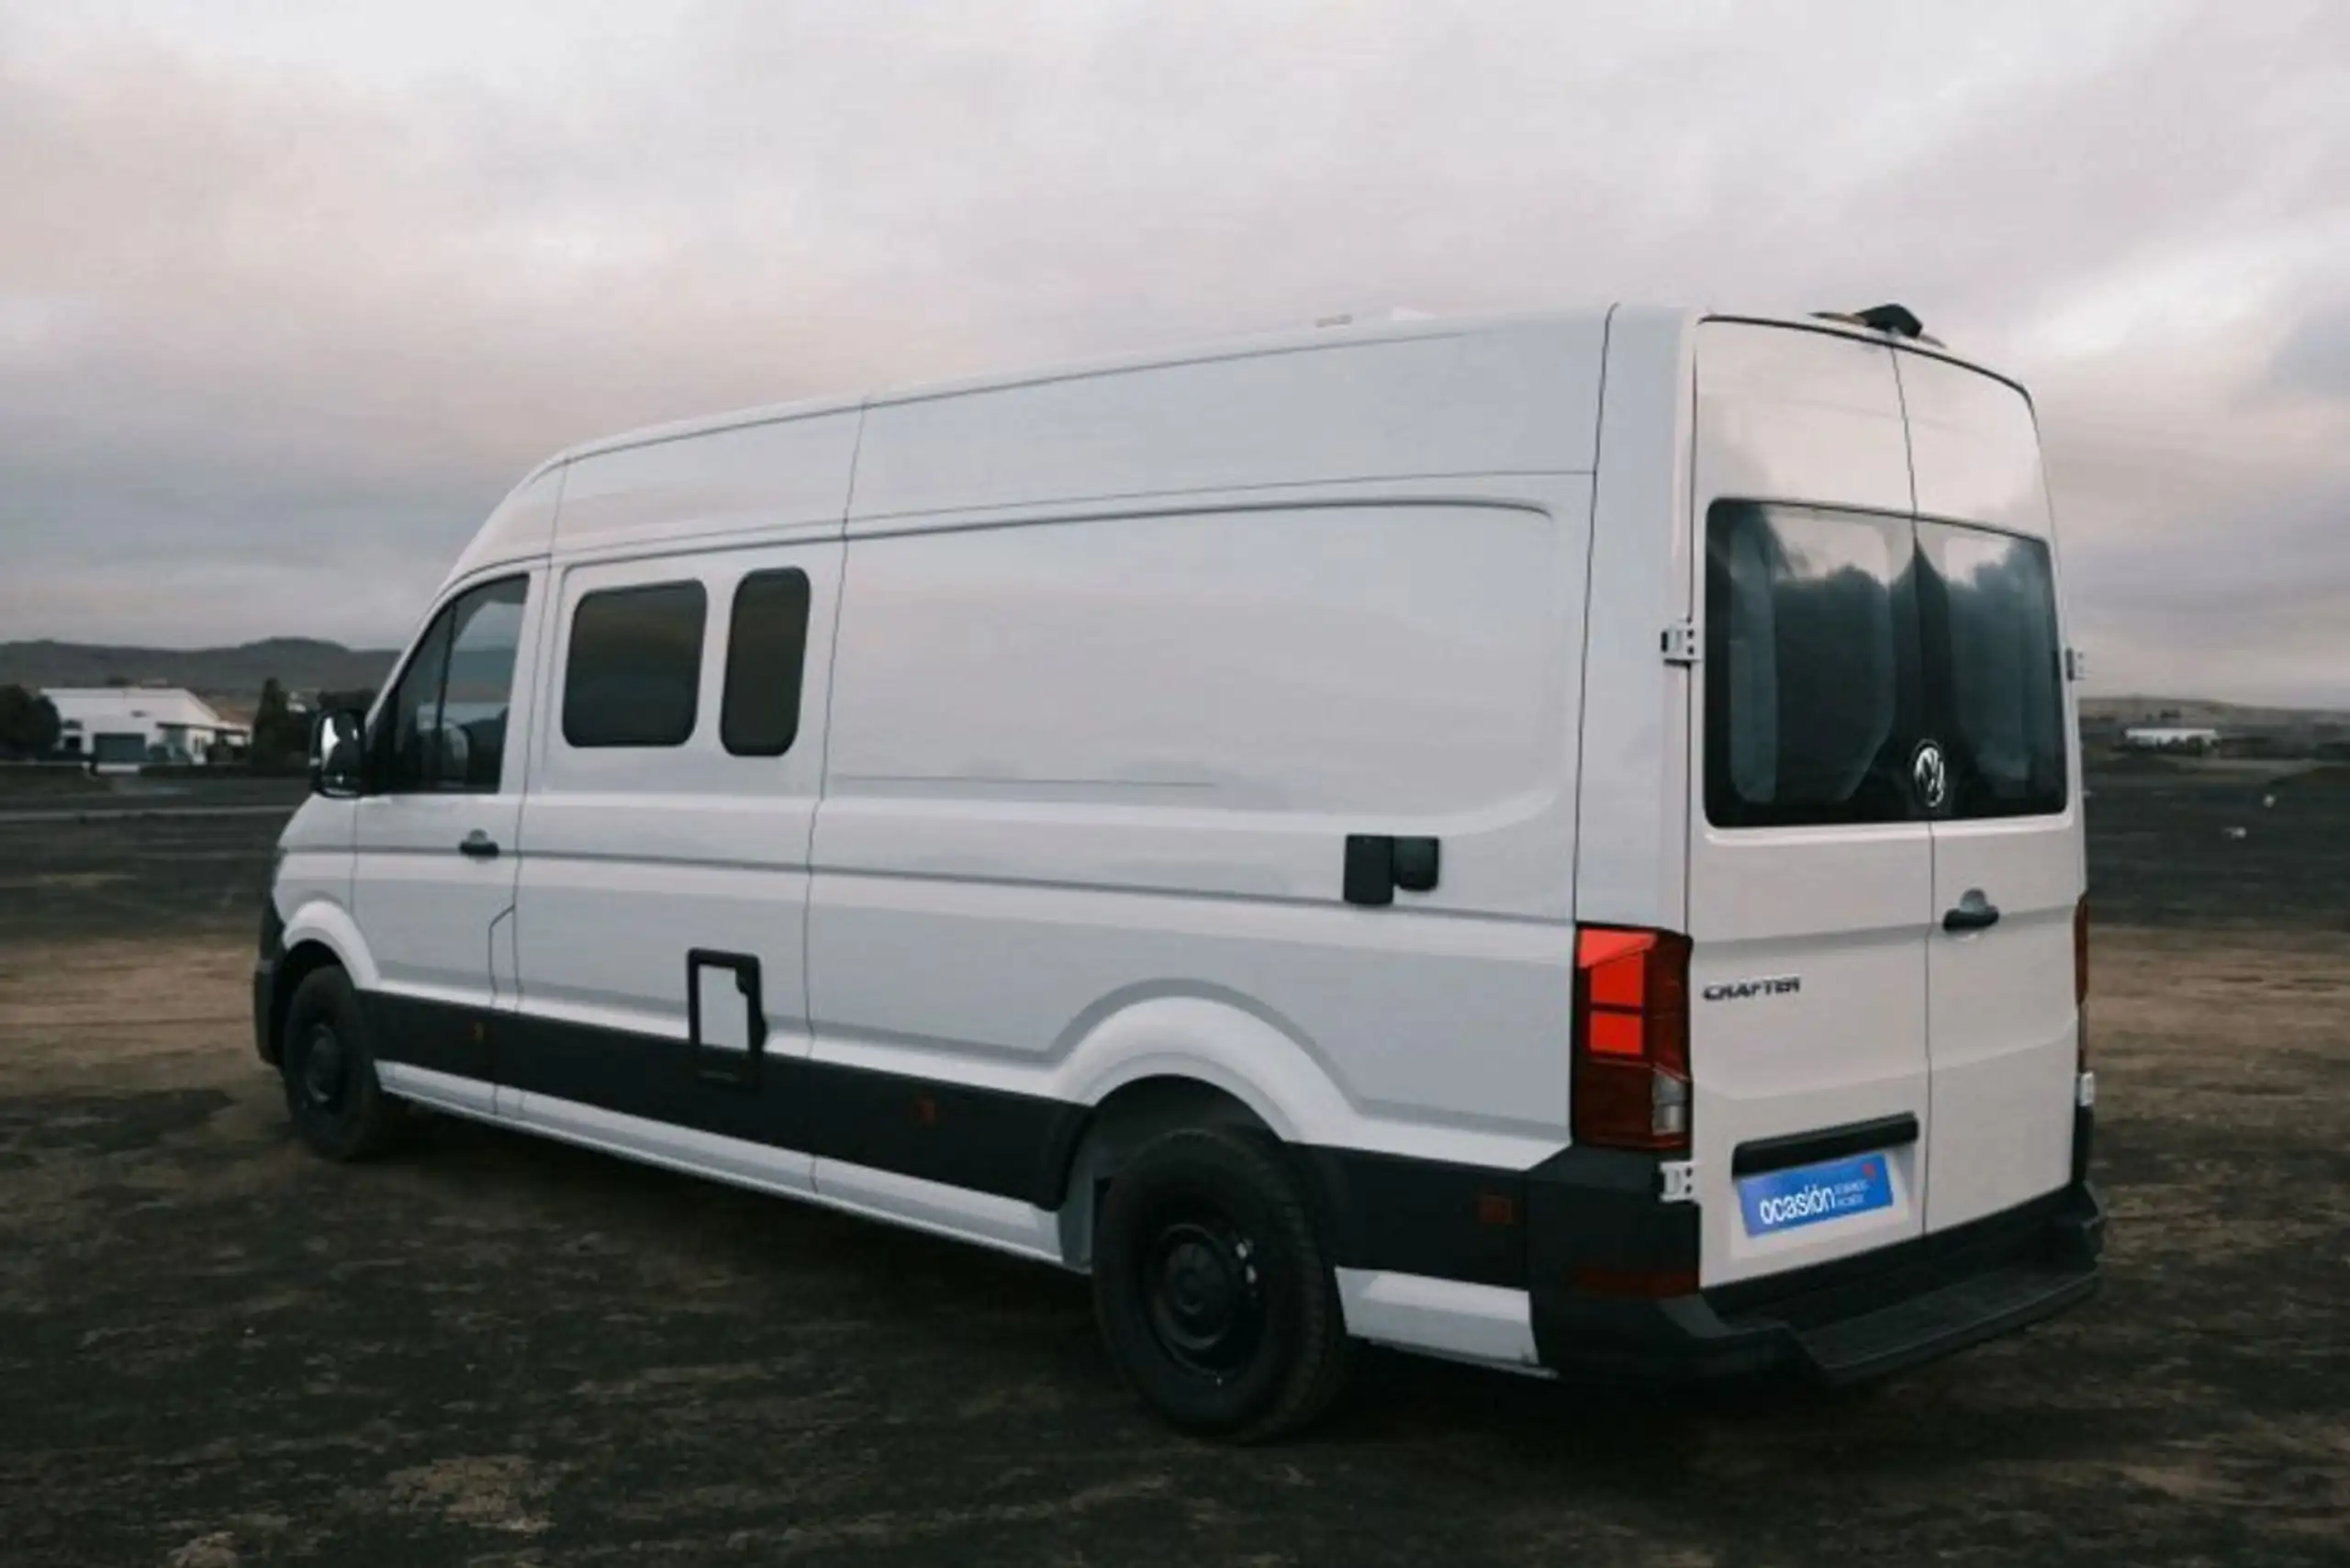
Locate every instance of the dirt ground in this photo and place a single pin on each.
(215, 1349)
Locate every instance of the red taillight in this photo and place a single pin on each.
(1631, 1039)
(2081, 979)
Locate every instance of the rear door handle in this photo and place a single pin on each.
(478, 846)
(1975, 913)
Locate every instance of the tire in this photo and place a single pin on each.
(1212, 1290)
(331, 1091)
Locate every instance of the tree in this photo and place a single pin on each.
(278, 731)
(29, 723)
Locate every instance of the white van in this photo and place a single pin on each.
(1553, 841)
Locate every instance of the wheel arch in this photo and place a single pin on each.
(1125, 1122)
(330, 925)
(1155, 1059)
(320, 934)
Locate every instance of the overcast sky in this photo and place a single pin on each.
(291, 294)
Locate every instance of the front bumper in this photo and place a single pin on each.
(1846, 1321)
(264, 1007)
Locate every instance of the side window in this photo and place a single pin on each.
(1812, 687)
(633, 676)
(444, 723)
(1987, 604)
(411, 715)
(485, 635)
(766, 650)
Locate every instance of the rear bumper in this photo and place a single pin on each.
(1842, 1322)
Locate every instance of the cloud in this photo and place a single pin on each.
(288, 298)
(2315, 358)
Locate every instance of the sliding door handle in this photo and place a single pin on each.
(478, 846)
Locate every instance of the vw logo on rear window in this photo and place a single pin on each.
(1931, 777)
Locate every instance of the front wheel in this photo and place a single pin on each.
(332, 1090)
(1212, 1290)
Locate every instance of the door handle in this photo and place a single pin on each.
(1377, 865)
(1974, 912)
(478, 846)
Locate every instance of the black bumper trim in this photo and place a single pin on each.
(1846, 1321)
(1829, 1143)
(1581, 1224)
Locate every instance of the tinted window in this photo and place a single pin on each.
(1987, 609)
(443, 727)
(411, 715)
(766, 646)
(634, 673)
(486, 631)
(1811, 669)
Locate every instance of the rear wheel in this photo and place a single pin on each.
(1212, 1290)
(331, 1091)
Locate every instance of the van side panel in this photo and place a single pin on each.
(786, 478)
(1635, 729)
(1438, 401)
(522, 528)
(635, 857)
(1082, 766)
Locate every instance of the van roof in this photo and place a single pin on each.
(1374, 330)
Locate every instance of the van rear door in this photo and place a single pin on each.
(1810, 868)
(2002, 1012)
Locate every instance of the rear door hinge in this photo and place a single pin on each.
(2077, 665)
(1676, 1181)
(1680, 642)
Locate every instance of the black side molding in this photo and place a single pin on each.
(1828, 1143)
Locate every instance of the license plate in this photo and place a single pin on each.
(1807, 1194)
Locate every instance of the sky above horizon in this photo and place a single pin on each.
(289, 295)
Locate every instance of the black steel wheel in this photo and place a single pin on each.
(1212, 1287)
(331, 1091)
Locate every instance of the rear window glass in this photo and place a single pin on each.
(1811, 679)
(1840, 644)
(1987, 610)
(633, 677)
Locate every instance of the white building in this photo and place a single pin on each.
(123, 726)
(2169, 738)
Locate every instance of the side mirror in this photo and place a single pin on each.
(338, 752)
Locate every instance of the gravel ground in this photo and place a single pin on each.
(215, 1349)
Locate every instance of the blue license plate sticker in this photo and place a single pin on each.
(1807, 1194)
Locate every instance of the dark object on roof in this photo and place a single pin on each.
(1897, 320)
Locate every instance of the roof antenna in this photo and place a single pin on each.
(1895, 320)
(1898, 319)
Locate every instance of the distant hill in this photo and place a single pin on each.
(230, 678)
(2201, 713)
